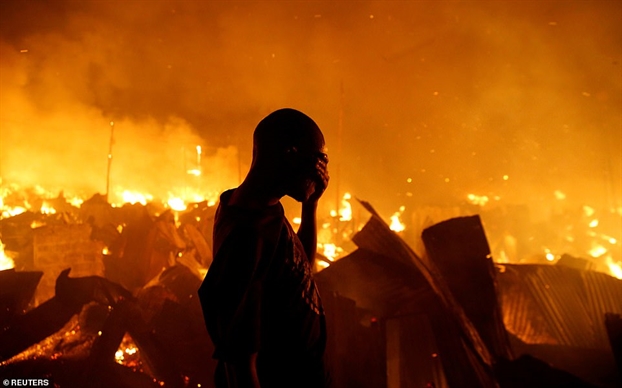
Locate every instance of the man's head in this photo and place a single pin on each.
(288, 145)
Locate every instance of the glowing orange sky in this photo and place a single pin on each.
(454, 95)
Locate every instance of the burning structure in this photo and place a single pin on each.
(432, 111)
(450, 317)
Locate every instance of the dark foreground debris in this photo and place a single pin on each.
(449, 318)
(453, 319)
(75, 338)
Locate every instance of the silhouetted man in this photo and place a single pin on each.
(261, 306)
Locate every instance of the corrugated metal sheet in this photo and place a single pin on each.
(604, 295)
(546, 304)
(459, 249)
(375, 282)
(377, 237)
(385, 270)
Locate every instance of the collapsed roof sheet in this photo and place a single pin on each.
(557, 305)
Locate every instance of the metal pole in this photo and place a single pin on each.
(339, 141)
(109, 160)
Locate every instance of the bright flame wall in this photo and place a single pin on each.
(455, 96)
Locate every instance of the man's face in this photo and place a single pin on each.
(304, 173)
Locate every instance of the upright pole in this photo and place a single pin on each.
(339, 141)
(185, 173)
(109, 160)
(199, 185)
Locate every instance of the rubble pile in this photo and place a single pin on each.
(106, 296)
(453, 318)
(115, 300)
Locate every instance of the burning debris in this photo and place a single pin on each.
(130, 302)
(487, 320)
(481, 137)
(134, 266)
(5, 261)
(93, 332)
(137, 266)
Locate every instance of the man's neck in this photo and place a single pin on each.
(254, 194)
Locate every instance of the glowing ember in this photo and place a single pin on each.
(479, 200)
(549, 255)
(118, 356)
(127, 354)
(588, 211)
(559, 195)
(297, 220)
(36, 224)
(597, 250)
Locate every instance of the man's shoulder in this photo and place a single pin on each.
(236, 228)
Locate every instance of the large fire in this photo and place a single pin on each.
(336, 228)
(502, 109)
(5, 261)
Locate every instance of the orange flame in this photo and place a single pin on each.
(396, 223)
(5, 261)
(615, 268)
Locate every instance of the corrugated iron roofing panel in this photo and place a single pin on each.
(545, 304)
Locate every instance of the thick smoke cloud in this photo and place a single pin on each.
(454, 95)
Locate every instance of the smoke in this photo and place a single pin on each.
(508, 99)
(61, 91)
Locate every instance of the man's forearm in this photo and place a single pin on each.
(246, 373)
(307, 233)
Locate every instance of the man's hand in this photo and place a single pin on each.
(320, 181)
(307, 232)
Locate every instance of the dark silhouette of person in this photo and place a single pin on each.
(261, 305)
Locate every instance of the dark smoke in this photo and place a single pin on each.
(455, 95)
